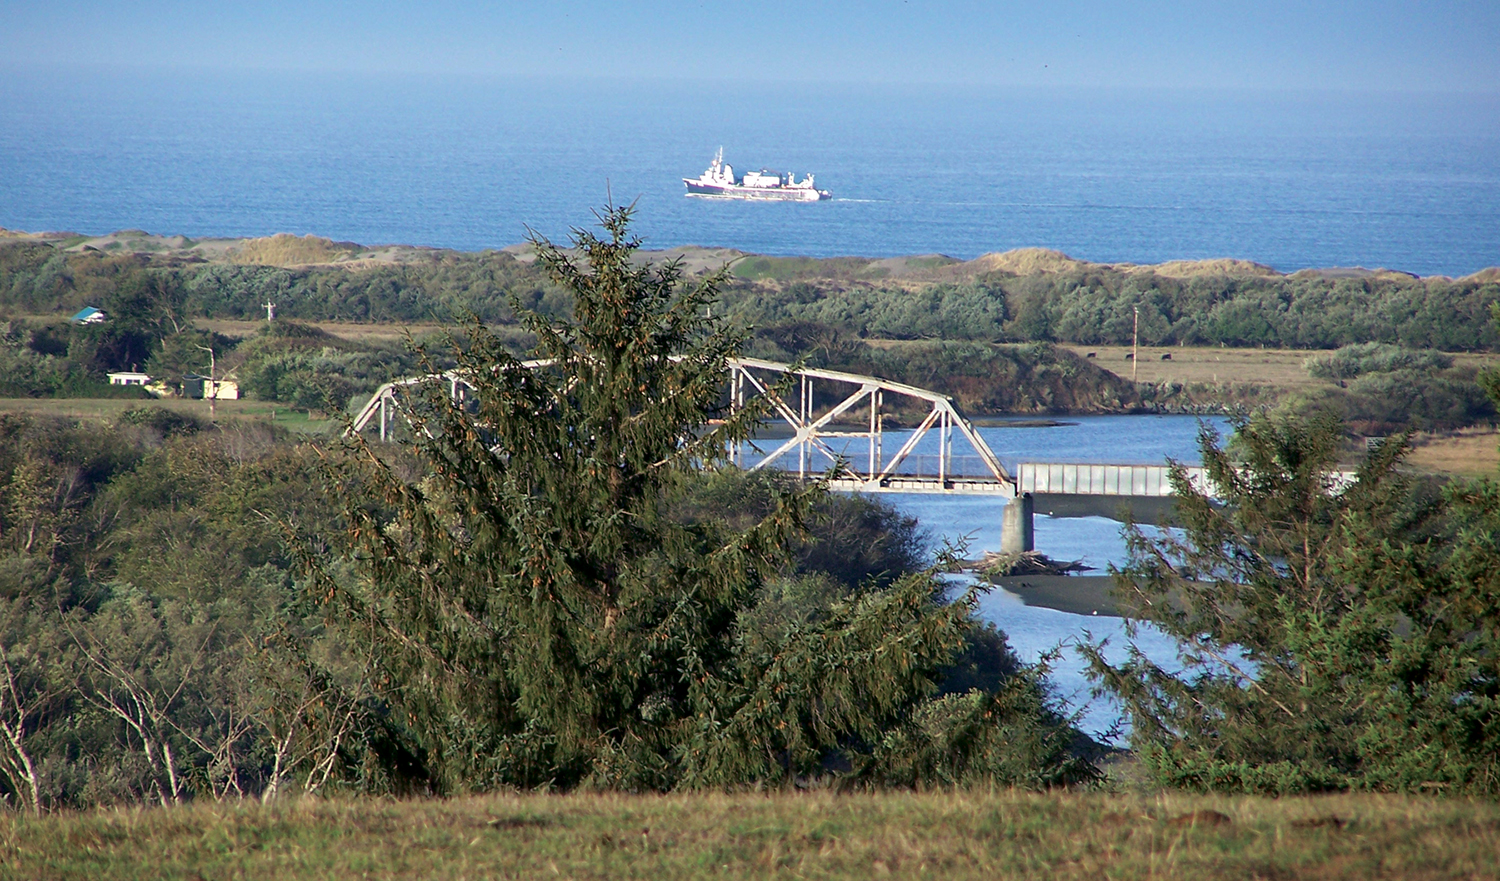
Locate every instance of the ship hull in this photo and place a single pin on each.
(754, 194)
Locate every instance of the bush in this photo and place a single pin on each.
(1419, 400)
(167, 423)
(1350, 362)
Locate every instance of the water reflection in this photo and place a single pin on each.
(1097, 541)
(973, 522)
(1032, 631)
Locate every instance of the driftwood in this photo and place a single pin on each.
(996, 565)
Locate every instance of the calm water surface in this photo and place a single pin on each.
(1293, 180)
(1097, 541)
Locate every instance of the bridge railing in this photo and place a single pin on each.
(1087, 478)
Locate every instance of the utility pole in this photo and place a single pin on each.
(270, 308)
(1135, 345)
(211, 391)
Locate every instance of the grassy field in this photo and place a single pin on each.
(352, 331)
(1281, 368)
(1472, 452)
(938, 835)
(226, 411)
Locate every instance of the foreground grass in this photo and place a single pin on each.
(942, 835)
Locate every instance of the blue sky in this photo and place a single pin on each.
(1381, 45)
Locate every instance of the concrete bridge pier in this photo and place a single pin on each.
(1016, 533)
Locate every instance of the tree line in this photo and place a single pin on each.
(948, 332)
(1085, 304)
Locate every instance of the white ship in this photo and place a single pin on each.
(771, 186)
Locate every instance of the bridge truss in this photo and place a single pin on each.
(825, 423)
(829, 408)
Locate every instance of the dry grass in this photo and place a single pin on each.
(1026, 261)
(939, 835)
(342, 329)
(1043, 261)
(1472, 452)
(1281, 368)
(109, 409)
(285, 249)
(1221, 266)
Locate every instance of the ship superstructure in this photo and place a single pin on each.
(772, 186)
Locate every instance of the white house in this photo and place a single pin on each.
(128, 378)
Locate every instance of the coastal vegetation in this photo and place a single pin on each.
(994, 333)
(546, 592)
(1331, 637)
(1015, 297)
(161, 643)
(194, 611)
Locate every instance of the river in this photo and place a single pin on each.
(1096, 541)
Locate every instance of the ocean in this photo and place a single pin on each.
(1292, 180)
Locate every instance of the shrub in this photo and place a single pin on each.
(1359, 359)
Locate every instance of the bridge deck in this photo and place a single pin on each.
(1056, 478)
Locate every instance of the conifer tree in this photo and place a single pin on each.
(539, 616)
(1331, 635)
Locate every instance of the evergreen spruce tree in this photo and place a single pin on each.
(1331, 637)
(538, 615)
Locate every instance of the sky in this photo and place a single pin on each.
(1357, 45)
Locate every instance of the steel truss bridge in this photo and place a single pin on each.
(826, 423)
